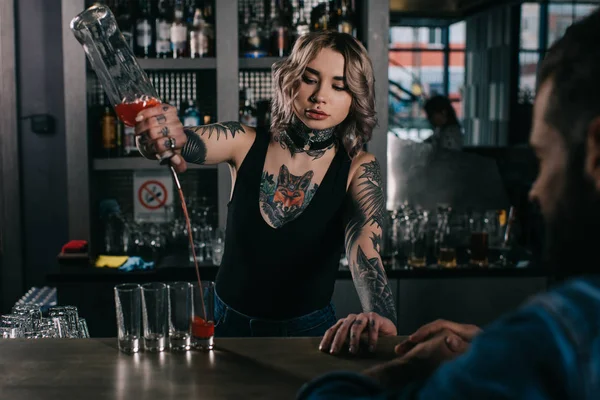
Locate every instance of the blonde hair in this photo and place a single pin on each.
(357, 128)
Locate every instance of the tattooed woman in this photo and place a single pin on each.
(301, 190)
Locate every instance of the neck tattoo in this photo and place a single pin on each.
(299, 138)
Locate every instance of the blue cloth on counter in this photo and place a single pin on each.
(136, 264)
(548, 349)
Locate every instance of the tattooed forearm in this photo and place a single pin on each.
(372, 287)
(221, 128)
(365, 224)
(194, 150)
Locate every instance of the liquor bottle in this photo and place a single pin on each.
(125, 16)
(254, 43)
(163, 30)
(302, 26)
(191, 115)
(130, 148)
(319, 17)
(248, 114)
(109, 132)
(179, 32)
(345, 19)
(145, 31)
(200, 36)
(280, 34)
(209, 26)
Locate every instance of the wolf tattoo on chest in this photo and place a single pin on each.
(284, 200)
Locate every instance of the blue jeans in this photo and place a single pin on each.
(232, 323)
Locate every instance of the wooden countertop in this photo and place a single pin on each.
(238, 368)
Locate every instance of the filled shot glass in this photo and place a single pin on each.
(154, 315)
(128, 308)
(181, 313)
(203, 326)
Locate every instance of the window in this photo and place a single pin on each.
(542, 23)
(424, 62)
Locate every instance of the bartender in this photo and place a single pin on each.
(302, 191)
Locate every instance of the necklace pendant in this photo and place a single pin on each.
(307, 146)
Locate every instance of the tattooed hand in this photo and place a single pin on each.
(159, 133)
(353, 330)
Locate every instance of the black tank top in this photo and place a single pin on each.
(290, 271)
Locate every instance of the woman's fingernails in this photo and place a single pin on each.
(352, 349)
(139, 118)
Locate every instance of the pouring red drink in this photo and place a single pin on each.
(128, 89)
(127, 111)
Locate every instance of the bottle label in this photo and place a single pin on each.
(129, 140)
(109, 132)
(178, 36)
(191, 121)
(144, 34)
(163, 37)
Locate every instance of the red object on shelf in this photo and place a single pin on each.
(128, 111)
(202, 329)
(75, 246)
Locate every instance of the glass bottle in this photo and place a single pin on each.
(179, 32)
(254, 42)
(302, 26)
(145, 32)
(280, 33)
(163, 30)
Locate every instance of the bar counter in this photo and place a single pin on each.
(238, 368)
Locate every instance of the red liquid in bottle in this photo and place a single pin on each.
(128, 111)
(202, 329)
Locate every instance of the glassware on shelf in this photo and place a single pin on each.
(479, 243)
(253, 37)
(417, 257)
(444, 240)
(218, 246)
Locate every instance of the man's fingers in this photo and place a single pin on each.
(325, 344)
(467, 332)
(404, 347)
(456, 344)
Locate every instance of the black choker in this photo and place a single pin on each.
(306, 139)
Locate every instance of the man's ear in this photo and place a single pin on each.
(592, 154)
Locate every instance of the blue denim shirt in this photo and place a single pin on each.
(548, 349)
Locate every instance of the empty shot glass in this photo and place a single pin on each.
(128, 297)
(181, 313)
(203, 326)
(154, 315)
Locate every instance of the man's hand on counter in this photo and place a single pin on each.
(348, 332)
(460, 333)
(422, 360)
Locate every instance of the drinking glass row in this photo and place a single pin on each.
(156, 316)
(27, 321)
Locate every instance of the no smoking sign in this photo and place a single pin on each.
(152, 192)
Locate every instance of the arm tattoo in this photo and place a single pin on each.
(194, 150)
(367, 210)
(284, 199)
(161, 119)
(369, 207)
(372, 286)
(220, 128)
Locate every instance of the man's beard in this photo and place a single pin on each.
(573, 231)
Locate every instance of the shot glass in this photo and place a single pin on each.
(181, 313)
(154, 315)
(128, 297)
(203, 326)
